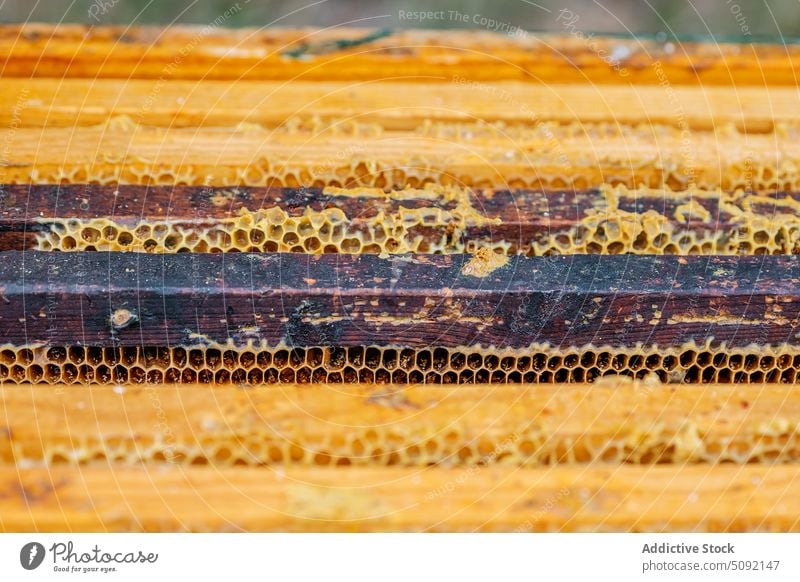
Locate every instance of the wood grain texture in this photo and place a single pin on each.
(302, 300)
(356, 53)
(480, 217)
(396, 105)
(598, 498)
(192, 127)
(476, 157)
(523, 221)
(615, 420)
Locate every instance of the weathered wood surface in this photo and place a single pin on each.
(516, 218)
(105, 299)
(600, 498)
(615, 420)
(362, 54)
(513, 216)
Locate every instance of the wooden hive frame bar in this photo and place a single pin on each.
(478, 156)
(168, 219)
(600, 498)
(615, 420)
(350, 54)
(417, 301)
(391, 105)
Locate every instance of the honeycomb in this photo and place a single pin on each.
(530, 445)
(327, 463)
(479, 155)
(424, 230)
(690, 363)
(604, 229)
(607, 229)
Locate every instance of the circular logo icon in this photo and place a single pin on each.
(31, 555)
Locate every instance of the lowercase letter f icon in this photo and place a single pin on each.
(31, 555)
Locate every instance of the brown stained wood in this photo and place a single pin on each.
(504, 499)
(300, 300)
(363, 54)
(395, 105)
(614, 420)
(516, 218)
(536, 128)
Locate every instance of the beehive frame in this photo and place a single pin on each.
(296, 288)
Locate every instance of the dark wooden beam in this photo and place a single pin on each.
(516, 217)
(129, 299)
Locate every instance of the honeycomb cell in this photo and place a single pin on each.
(255, 365)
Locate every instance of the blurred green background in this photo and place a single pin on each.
(720, 18)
